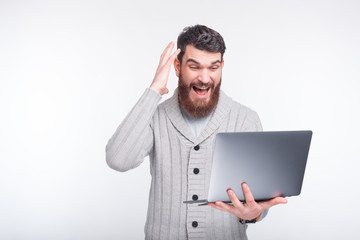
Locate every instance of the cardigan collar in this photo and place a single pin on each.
(173, 111)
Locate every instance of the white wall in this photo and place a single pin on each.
(71, 71)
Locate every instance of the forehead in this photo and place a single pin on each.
(201, 56)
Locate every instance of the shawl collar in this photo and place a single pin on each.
(173, 111)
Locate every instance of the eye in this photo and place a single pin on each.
(193, 67)
(214, 67)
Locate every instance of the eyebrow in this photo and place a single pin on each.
(196, 62)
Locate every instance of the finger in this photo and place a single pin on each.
(165, 55)
(234, 199)
(249, 198)
(224, 206)
(273, 202)
(214, 206)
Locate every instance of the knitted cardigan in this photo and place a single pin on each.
(160, 131)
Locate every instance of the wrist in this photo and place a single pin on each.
(155, 90)
(243, 221)
(158, 90)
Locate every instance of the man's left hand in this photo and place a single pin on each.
(248, 210)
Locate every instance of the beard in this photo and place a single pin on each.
(199, 107)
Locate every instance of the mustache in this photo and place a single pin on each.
(201, 84)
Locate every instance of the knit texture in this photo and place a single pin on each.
(160, 131)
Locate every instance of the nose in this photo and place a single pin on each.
(204, 76)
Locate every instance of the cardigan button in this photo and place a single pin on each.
(195, 197)
(196, 170)
(197, 147)
(194, 224)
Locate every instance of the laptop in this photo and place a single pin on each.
(271, 163)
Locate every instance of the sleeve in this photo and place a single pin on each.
(263, 215)
(133, 140)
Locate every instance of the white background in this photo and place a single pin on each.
(70, 71)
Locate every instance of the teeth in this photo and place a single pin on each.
(203, 88)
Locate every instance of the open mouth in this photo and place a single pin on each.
(201, 90)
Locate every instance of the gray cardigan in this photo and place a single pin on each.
(160, 131)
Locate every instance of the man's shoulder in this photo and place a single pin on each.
(244, 109)
(239, 107)
(246, 117)
(171, 102)
(167, 107)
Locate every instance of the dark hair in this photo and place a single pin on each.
(202, 38)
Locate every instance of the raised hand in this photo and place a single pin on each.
(159, 82)
(248, 210)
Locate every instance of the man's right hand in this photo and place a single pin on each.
(162, 72)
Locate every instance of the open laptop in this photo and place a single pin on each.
(271, 163)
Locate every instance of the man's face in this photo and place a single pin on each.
(199, 80)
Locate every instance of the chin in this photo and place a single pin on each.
(200, 102)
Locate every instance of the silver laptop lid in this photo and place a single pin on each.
(271, 163)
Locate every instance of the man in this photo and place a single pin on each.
(179, 135)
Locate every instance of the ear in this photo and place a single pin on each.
(177, 67)
(222, 63)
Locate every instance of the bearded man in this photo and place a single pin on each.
(178, 135)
